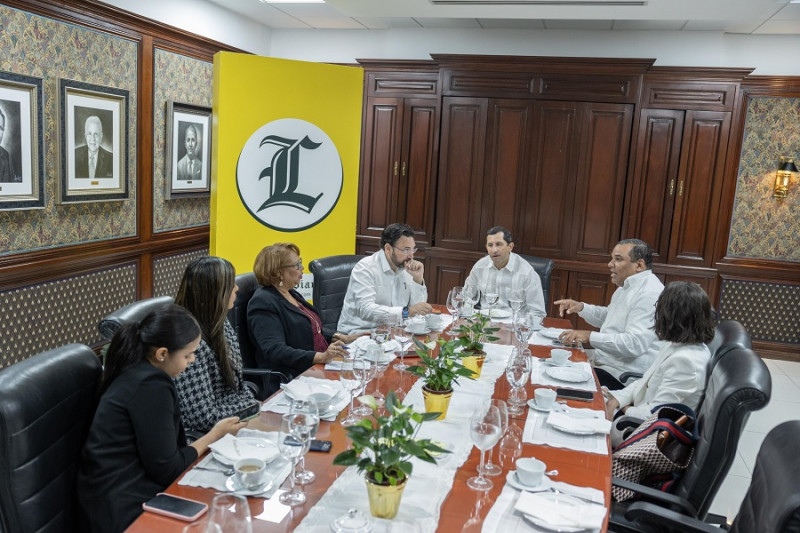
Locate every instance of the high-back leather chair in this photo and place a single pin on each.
(732, 335)
(739, 384)
(331, 277)
(543, 267)
(771, 504)
(48, 402)
(266, 381)
(130, 313)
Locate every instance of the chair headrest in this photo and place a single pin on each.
(130, 313)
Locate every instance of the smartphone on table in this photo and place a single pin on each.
(251, 411)
(315, 446)
(175, 507)
(574, 394)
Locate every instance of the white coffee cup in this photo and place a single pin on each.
(545, 398)
(249, 473)
(530, 471)
(433, 320)
(416, 324)
(560, 356)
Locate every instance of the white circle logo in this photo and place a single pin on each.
(289, 175)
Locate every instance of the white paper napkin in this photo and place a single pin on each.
(568, 422)
(300, 389)
(539, 376)
(235, 448)
(280, 403)
(216, 478)
(568, 512)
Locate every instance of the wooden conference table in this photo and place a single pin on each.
(462, 509)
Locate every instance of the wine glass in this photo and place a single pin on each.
(375, 353)
(523, 327)
(455, 301)
(366, 371)
(516, 300)
(484, 428)
(230, 512)
(491, 296)
(492, 469)
(471, 296)
(292, 446)
(351, 381)
(381, 333)
(403, 338)
(308, 408)
(518, 370)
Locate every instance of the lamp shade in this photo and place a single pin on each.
(783, 177)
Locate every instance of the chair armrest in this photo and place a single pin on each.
(656, 496)
(625, 376)
(192, 435)
(264, 372)
(667, 518)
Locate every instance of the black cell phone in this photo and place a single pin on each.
(315, 446)
(175, 507)
(573, 394)
(251, 411)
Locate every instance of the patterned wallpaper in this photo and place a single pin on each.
(171, 72)
(762, 309)
(37, 46)
(762, 226)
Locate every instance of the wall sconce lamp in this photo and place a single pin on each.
(783, 177)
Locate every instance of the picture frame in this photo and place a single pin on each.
(93, 141)
(188, 154)
(21, 142)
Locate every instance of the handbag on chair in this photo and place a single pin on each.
(657, 451)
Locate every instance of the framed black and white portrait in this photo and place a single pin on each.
(188, 154)
(93, 142)
(21, 142)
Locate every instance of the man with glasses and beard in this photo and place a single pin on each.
(387, 285)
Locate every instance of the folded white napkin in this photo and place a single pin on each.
(235, 448)
(561, 510)
(364, 341)
(299, 389)
(571, 422)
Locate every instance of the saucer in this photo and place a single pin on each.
(533, 405)
(514, 481)
(231, 485)
(424, 331)
(553, 363)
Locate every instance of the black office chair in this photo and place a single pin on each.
(130, 313)
(265, 381)
(543, 267)
(732, 335)
(331, 277)
(738, 384)
(772, 503)
(48, 402)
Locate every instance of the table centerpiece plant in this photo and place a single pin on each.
(383, 446)
(471, 335)
(439, 374)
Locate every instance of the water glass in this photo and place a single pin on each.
(484, 429)
(292, 448)
(518, 370)
(351, 382)
(403, 338)
(230, 513)
(491, 469)
(309, 409)
(455, 301)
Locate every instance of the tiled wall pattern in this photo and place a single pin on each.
(769, 311)
(168, 271)
(41, 47)
(40, 317)
(171, 72)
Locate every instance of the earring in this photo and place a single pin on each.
(280, 284)
(161, 359)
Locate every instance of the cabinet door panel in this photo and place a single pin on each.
(460, 187)
(416, 189)
(442, 274)
(547, 208)
(656, 177)
(591, 289)
(600, 187)
(705, 142)
(378, 184)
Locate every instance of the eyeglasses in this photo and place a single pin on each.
(406, 251)
(298, 265)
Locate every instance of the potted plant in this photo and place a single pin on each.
(382, 449)
(439, 374)
(470, 337)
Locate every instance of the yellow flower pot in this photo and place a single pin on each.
(384, 500)
(437, 401)
(474, 363)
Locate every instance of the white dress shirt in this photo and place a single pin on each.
(626, 341)
(678, 375)
(517, 274)
(377, 294)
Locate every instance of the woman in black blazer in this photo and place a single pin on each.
(285, 328)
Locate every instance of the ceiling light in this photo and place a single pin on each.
(545, 2)
(292, 1)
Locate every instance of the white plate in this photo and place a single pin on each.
(514, 481)
(564, 500)
(231, 485)
(569, 374)
(420, 332)
(572, 431)
(553, 363)
(551, 333)
(497, 313)
(253, 441)
(533, 405)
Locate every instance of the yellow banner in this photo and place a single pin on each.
(285, 145)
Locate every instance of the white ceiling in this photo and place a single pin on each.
(728, 16)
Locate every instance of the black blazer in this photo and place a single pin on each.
(104, 167)
(281, 332)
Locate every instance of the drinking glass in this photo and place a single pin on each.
(522, 329)
(516, 301)
(375, 353)
(201, 526)
(292, 447)
(349, 377)
(381, 333)
(491, 469)
(403, 338)
(366, 371)
(309, 409)
(491, 296)
(471, 296)
(484, 428)
(230, 512)
(455, 301)
(518, 370)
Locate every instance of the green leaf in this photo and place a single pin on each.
(346, 458)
